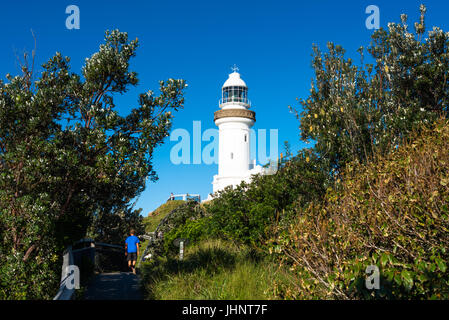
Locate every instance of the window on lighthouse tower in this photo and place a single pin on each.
(235, 94)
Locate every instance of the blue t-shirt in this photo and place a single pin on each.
(131, 242)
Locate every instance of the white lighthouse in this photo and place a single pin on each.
(234, 121)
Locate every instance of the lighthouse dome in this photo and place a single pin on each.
(234, 80)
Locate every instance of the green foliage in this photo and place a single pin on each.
(247, 212)
(69, 160)
(194, 230)
(176, 222)
(114, 228)
(392, 213)
(355, 112)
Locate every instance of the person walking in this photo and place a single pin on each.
(132, 250)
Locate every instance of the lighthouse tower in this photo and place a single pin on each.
(234, 121)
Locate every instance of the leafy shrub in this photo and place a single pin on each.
(392, 213)
(247, 212)
(175, 220)
(113, 227)
(21, 280)
(194, 230)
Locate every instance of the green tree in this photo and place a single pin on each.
(113, 227)
(356, 111)
(66, 154)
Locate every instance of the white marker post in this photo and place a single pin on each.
(181, 250)
(181, 243)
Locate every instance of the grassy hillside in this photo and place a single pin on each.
(153, 219)
(212, 270)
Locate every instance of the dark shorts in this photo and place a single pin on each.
(132, 256)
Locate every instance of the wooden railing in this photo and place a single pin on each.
(150, 237)
(75, 257)
(65, 292)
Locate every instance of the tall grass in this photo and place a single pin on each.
(212, 270)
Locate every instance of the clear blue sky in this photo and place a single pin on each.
(199, 41)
